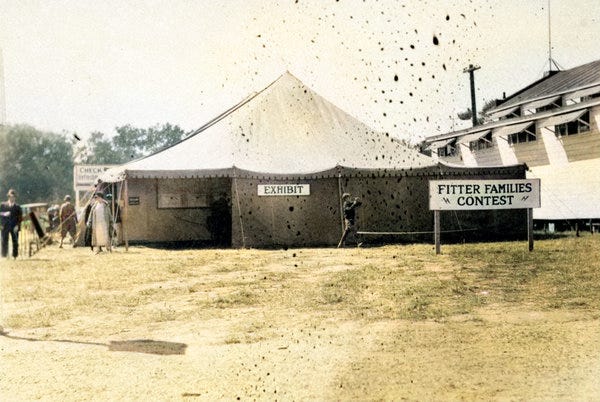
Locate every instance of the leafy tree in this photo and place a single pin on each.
(481, 118)
(130, 143)
(98, 150)
(38, 165)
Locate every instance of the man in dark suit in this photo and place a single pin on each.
(11, 216)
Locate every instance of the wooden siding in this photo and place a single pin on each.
(577, 147)
(532, 153)
(584, 145)
(488, 156)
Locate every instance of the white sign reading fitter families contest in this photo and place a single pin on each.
(283, 189)
(484, 194)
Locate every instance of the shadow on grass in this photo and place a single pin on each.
(136, 345)
(148, 346)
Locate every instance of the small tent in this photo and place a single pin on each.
(280, 160)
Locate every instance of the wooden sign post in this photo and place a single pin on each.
(455, 195)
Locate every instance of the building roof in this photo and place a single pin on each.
(555, 83)
(285, 129)
(559, 113)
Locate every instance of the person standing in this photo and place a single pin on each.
(68, 220)
(11, 216)
(349, 210)
(219, 221)
(100, 222)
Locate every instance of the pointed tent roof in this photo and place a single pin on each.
(286, 129)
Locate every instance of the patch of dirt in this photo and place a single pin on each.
(546, 358)
(284, 350)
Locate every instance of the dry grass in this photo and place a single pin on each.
(481, 321)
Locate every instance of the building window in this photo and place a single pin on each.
(556, 104)
(521, 137)
(448, 150)
(590, 97)
(581, 125)
(484, 142)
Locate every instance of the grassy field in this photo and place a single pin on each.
(480, 322)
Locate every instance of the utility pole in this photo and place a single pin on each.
(471, 70)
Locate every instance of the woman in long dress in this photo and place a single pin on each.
(100, 222)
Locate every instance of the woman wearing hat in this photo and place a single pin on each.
(100, 222)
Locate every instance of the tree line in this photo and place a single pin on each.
(39, 164)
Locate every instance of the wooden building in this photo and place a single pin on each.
(552, 126)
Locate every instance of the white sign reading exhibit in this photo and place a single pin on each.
(283, 189)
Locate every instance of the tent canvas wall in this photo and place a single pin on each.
(288, 134)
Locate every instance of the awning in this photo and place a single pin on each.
(502, 113)
(562, 118)
(541, 103)
(583, 92)
(440, 144)
(505, 131)
(465, 140)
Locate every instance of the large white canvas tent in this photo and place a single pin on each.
(286, 135)
(285, 129)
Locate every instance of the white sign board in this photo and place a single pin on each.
(484, 194)
(84, 176)
(283, 189)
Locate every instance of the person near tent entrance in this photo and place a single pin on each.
(68, 220)
(219, 221)
(100, 223)
(11, 216)
(349, 207)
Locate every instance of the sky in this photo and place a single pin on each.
(79, 66)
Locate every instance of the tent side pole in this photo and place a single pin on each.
(237, 199)
(340, 201)
(125, 215)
